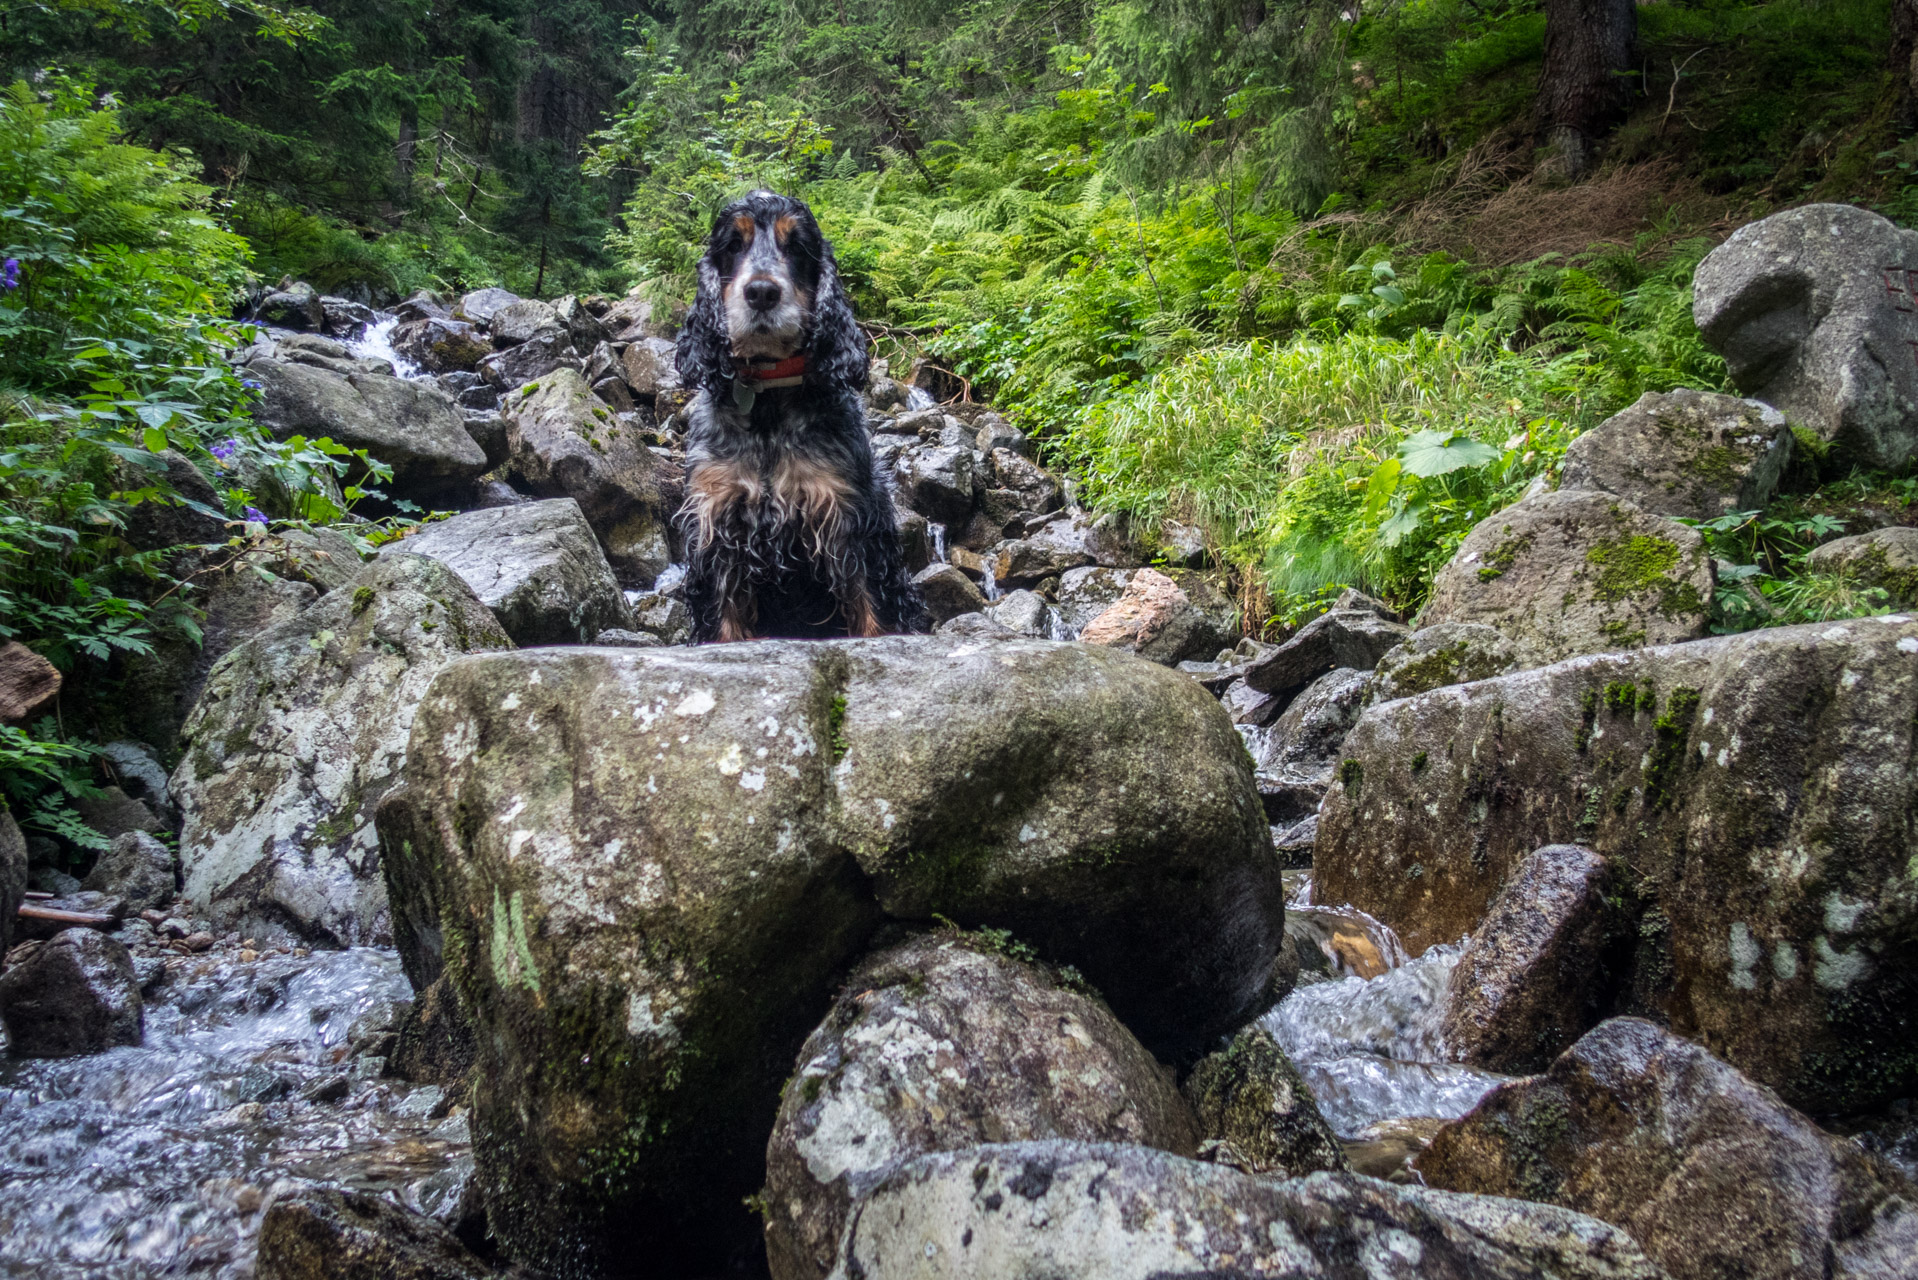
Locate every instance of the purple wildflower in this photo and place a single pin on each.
(256, 515)
(10, 274)
(225, 450)
(250, 384)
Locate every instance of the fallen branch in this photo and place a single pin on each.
(53, 915)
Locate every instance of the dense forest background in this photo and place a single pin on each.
(1324, 282)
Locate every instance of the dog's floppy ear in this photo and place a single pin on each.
(838, 354)
(703, 354)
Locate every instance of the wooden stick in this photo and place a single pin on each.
(53, 915)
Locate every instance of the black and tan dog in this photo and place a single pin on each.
(789, 531)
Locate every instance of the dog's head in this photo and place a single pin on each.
(768, 291)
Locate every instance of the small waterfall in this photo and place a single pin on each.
(377, 344)
(989, 576)
(937, 532)
(918, 398)
(1370, 1046)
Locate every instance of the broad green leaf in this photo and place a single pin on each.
(154, 439)
(1438, 453)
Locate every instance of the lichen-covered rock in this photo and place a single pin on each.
(323, 1233)
(1687, 453)
(70, 995)
(1755, 790)
(1883, 558)
(519, 321)
(1433, 657)
(535, 565)
(566, 444)
(1708, 1171)
(1577, 572)
(411, 426)
(1257, 1113)
(1023, 613)
(1813, 311)
(1102, 1211)
(644, 869)
(1533, 978)
(1295, 757)
(298, 734)
(939, 1044)
(1026, 562)
(1352, 634)
(137, 868)
(481, 305)
(546, 351)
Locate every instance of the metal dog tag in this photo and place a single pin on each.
(743, 396)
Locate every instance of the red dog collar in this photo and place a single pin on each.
(789, 372)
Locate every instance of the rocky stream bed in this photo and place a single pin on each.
(1542, 935)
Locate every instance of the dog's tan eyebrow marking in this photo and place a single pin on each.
(783, 227)
(746, 227)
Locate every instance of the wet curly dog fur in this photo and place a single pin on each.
(789, 529)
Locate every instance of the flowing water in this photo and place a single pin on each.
(151, 1161)
(376, 343)
(1365, 1035)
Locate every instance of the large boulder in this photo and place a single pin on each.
(937, 482)
(535, 565)
(543, 352)
(518, 321)
(1533, 977)
(942, 1043)
(1577, 571)
(1814, 312)
(1755, 789)
(411, 426)
(645, 868)
(1102, 1211)
(294, 305)
(481, 305)
(1884, 558)
(298, 734)
(441, 346)
(70, 995)
(566, 444)
(1433, 657)
(1257, 1113)
(1708, 1171)
(1687, 453)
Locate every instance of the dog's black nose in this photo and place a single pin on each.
(762, 294)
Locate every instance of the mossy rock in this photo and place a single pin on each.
(1751, 794)
(1687, 453)
(1577, 571)
(1257, 1111)
(644, 871)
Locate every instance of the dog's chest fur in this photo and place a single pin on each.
(785, 472)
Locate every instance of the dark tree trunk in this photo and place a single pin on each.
(1904, 59)
(1583, 90)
